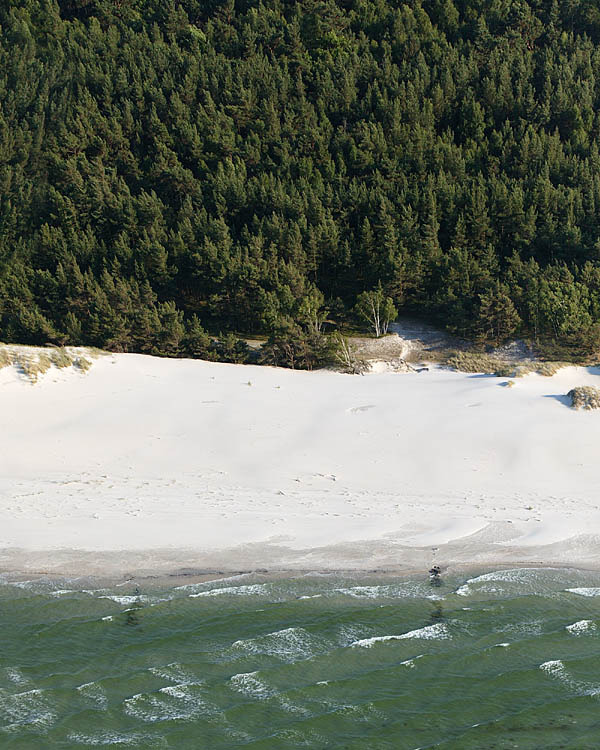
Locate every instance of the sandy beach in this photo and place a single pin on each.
(146, 464)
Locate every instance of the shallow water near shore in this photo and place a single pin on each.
(504, 659)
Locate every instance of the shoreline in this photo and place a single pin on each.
(145, 465)
(162, 565)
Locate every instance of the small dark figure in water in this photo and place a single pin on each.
(437, 613)
(434, 575)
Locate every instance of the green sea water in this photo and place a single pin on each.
(505, 659)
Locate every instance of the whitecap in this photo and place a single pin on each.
(350, 633)
(583, 626)
(585, 591)
(410, 663)
(385, 591)
(557, 670)
(521, 576)
(112, 738)
(175, 672)
(28, 709)
(134, 599)
(290, 644)
(249, 590)
(251, 685)
(15, 675)
(108, 618)
(169, 703)
(202, 584)
(95, 693)
(438, 631)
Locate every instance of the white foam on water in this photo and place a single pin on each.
(203, 584)
(15, 675)
(362, 712)
(181, 702)
(28, 709)
(253, 686)
(583, 626)
(60, 592)
(124, 600)
(585, 591)
(511, 576)
(501, 645)
(314, 596)
(290, 644)
(254, 589)
(22, 584)
(384, 591)
(302, 738)
(410, 663)
(249, 684)
(438, 631)
(556, 669)
(95, 693)
(108, 618)
(175, 672)
(112, 738)
(134, 599)
(527, 628)
(350, 633)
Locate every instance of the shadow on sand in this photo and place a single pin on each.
(565, 400)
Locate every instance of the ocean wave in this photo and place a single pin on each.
(254, 589)
(582, 591)
(438, 631)
(175, 672)
(583, 626)
(289, 644)
(28, 709)
(214, 582)
(251, 685)
(112, 738)
(410, 589)
(556, 669)
(134, 599)
(410, 663)
(535, 577)
(95, 693)
(15, 675)
(348, 634)
(175, 702)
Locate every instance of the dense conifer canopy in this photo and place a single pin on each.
(172, 167)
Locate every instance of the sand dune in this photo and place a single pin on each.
(181, 462)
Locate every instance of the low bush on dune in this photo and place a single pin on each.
(585, 397)
(32, 362)
(61, 358)
(548, 369)
(473, 362)
(82, 364)
(488, 364)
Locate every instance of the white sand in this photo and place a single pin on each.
(182, 462)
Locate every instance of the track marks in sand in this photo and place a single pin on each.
(361, 409)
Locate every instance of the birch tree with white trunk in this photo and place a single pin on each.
(376, 309)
